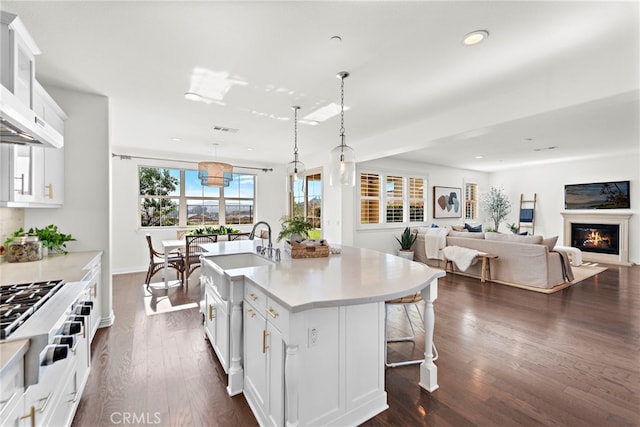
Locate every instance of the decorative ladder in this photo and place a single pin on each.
(527, 218)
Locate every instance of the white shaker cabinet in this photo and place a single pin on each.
(216, 311)
(18, 58)
(216, 325)
(264, 359)
(31, 176)
(19, 165)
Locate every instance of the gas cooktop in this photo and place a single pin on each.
(19, 301)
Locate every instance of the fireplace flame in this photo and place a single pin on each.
(596, 240)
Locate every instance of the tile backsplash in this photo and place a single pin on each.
(10, 220)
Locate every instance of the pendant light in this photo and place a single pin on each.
(296, 167)
(215, 174)
(343, 158)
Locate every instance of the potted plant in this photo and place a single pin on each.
(497, 205)
(406, 240)
(52, 239)
(294, 229)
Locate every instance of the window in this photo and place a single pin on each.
(416, 199)
(162, 190)
(239, 199)
(395, 199)
(369, 198)
(470, 201)
(175, 198)
(306, 200)
(403, 199)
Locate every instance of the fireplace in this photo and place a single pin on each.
(599, 238)
(602, 237)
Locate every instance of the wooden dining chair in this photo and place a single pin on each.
(238, 236)
(192, 253)
(156, 262)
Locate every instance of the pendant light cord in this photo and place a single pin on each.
(342, 106)
(295, 132)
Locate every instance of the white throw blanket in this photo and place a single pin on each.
(462, 257)
(435, 239)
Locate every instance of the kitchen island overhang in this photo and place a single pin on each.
(329, 321)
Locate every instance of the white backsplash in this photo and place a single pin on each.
(10, 220)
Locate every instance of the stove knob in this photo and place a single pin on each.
(68, 340)
(83, 310)
(55, 353)
(71, 328)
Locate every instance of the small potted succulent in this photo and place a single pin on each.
(406, 240)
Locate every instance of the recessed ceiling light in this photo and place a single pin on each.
(249, 149)
(479, 157)
(336, 39)
(475, 37)
(175, 139)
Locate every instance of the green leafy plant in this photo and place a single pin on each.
(497, 205)
(294, 225)
(52, 238)
(407, 239)
(212, 230)
(514, 228)
(18, 233)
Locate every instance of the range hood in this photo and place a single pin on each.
(21, 125)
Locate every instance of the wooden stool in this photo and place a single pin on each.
(486, 266)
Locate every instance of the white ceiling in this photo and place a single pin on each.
(551, 74)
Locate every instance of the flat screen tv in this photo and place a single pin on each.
(598, 195)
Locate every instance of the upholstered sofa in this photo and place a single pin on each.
(526, 261)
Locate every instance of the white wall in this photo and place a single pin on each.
(548, 182)
(382, 239)
(130, 251)
(85, 213)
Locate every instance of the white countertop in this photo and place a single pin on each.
(355, 276)
(69, 267)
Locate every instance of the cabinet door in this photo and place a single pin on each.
(52, 190)
(209, 316)
(221, 326)
(13, 416)
(255, 356)
(24, 70)
(275, 356)
(21, 175)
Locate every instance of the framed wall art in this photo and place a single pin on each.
(447, 202)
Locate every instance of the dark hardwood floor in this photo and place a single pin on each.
(507, 357)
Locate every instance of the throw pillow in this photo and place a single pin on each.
(550, 242)
(419, 230)
(458, 228)
(472, 229)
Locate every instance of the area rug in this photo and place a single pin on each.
(160, 302)
(585, 271)
(580, 273)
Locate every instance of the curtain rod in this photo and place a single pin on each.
(128, 157)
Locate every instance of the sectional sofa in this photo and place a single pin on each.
(524, 261)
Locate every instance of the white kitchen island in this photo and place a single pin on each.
(303, 339)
